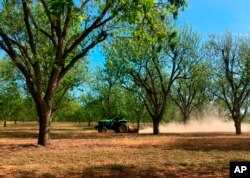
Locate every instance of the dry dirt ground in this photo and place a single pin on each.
(76, 151)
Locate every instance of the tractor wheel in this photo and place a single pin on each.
(104, 130)
(123, 128)
(99, 130)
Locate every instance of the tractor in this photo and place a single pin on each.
(118, 125)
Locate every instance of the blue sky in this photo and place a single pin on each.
(217, 16)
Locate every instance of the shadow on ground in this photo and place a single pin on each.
(195, 142)
(115, 171)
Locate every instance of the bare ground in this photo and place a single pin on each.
(76, 151)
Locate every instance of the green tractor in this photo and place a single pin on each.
(118, 125)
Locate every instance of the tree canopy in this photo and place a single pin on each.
(231, 64)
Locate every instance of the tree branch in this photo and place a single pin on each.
(97, 23)
(7, 47)
(67, 22)
(48, 14)
(83, 5)
(51, 37)
(101, 37)
(28, 27)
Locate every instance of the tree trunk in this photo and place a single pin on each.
(45, 111)
(185, 116)
(156, 130)
(236, 118)
(89, 122)
(5, 123)
(138, 124)
(185, 119)
(237, 124)
(44, 130)
(138, 119)
(15, 119)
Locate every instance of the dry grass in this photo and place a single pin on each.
(79, 152)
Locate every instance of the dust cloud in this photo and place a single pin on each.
(208, 124)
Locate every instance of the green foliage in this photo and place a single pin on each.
(58, 7)
(68, 111)
(107, 99)
(14, 104)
